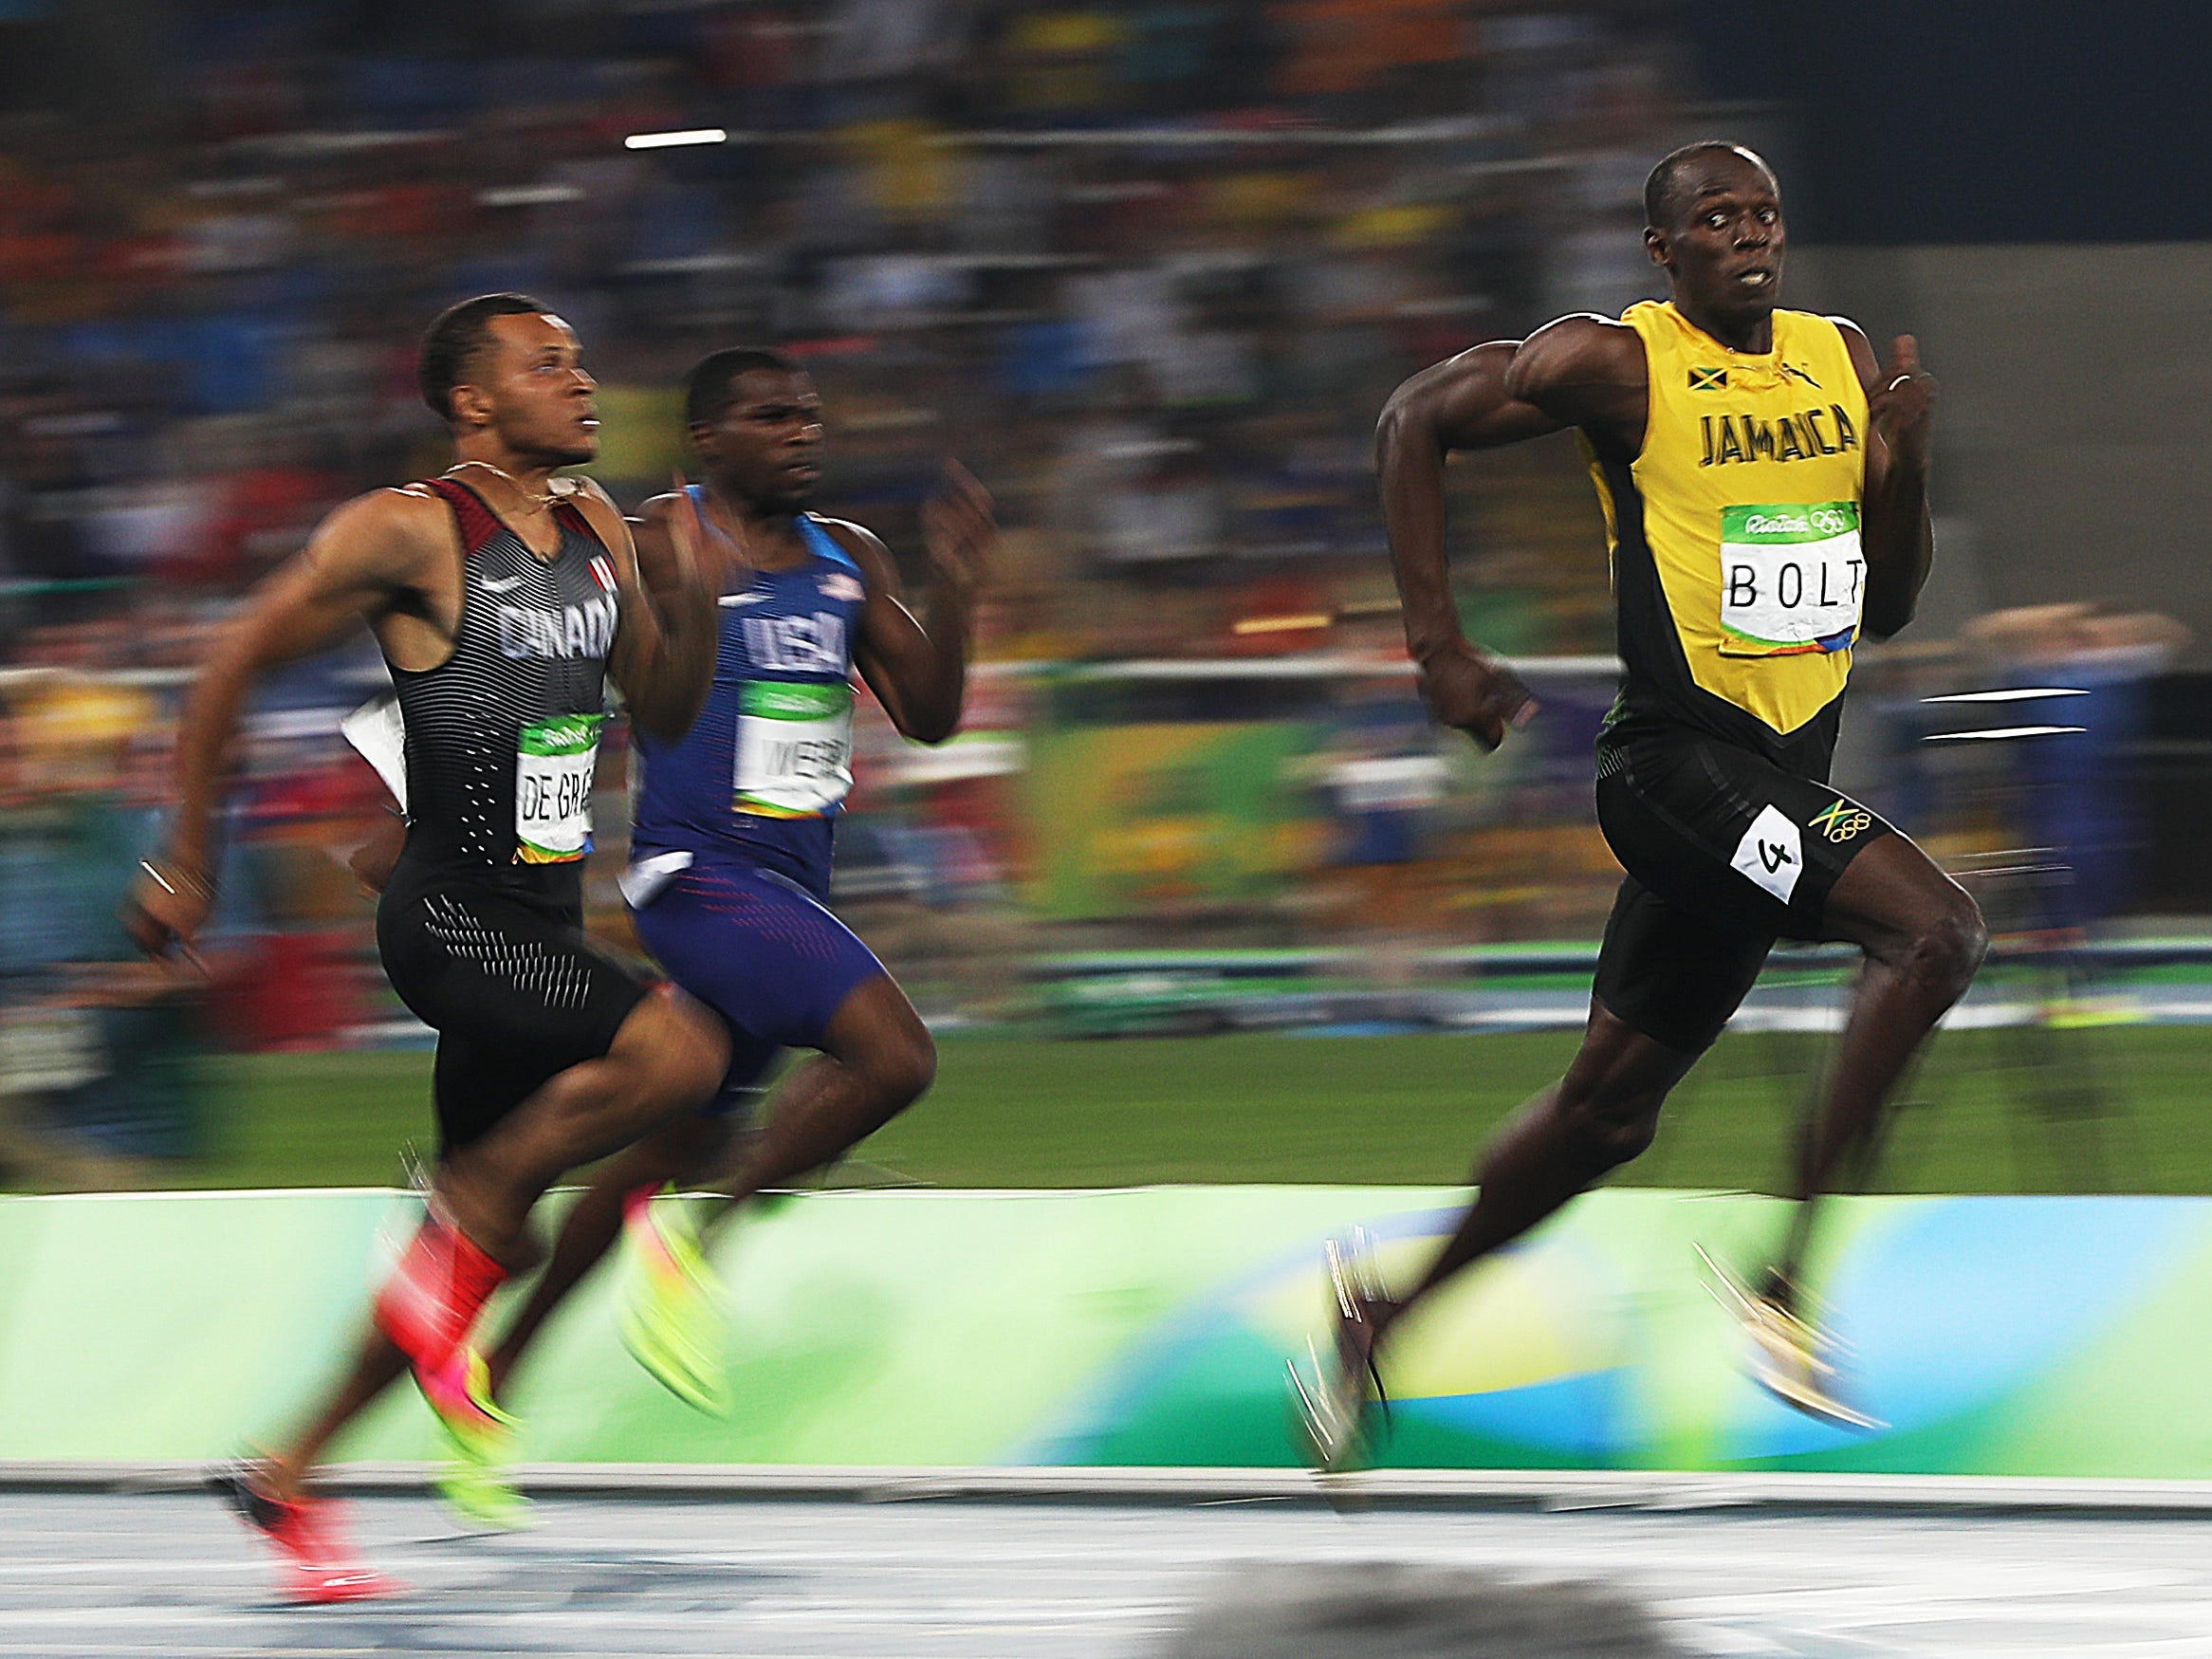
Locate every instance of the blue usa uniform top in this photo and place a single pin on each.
(764, 770)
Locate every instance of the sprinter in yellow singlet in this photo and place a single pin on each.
(1764, 484)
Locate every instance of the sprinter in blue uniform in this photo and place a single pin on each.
(731, 846)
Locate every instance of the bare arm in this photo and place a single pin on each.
(1577, 372)
(663, 656)
(1896, 533)
(365, 561)
(1459, 404)
(918, 669)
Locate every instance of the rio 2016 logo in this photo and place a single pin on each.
(1816, 521)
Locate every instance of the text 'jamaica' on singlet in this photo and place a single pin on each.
(764, 770)
(501, 738)
(1737, 572)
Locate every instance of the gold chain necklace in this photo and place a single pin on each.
(539, 503)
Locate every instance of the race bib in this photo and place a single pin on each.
(794, 747)
(554, 762)
(379, 734)
(1793, 578)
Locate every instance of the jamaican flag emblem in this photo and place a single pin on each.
(1842, 821)
(1708, 379)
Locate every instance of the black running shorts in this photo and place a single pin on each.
(1725, 853)
(515, 988)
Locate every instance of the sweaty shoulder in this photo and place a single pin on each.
(1578, 350)
(403, 508)
(1589, 371)
(392, 531)
(1860, 348)
(865, 545)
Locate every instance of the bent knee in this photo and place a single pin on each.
(905, 1069)
(1946, 953)
(682, 1046)
(879, 1038)
(1605, 1133)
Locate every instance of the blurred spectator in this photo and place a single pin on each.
(2079, 792)
(96, 1046)
(1385, 782)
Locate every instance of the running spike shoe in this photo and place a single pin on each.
(484, 1495)
(477, 1483)
(673, 1320)
(1328, 1408)
(319, 1567)
(1784, 1353)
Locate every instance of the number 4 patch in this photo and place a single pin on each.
(1771, 854)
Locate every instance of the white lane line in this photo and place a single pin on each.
(152, 1567)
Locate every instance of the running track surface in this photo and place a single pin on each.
(170, 1573)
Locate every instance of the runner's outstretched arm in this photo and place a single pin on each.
(918, 670)
(663, 658)
(1480, 399)
(1897, 536)
(367, 559)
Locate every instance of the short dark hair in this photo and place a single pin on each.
(455, 338)
(1662, 193)
(708, 389)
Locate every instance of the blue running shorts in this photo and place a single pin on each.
(756, 948)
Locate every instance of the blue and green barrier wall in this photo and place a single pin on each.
(2063, 1337)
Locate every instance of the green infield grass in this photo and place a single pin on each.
(2112, 1109)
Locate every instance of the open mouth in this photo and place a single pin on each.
(1757, 277)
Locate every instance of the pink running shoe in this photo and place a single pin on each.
(319, 1565)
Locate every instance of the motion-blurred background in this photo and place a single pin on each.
(1150, 267)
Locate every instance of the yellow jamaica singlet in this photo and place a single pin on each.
(1735, 534)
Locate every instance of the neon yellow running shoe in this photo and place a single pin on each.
(484, 1495)
(477, 1483)
(672, 1320)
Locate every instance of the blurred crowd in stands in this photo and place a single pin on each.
(1148, 266)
